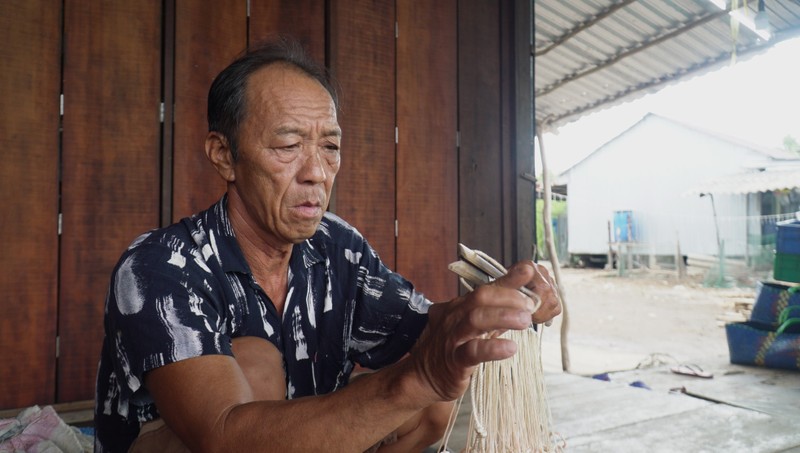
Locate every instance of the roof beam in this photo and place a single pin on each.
(582, 26)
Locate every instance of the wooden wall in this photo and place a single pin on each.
(366, 192)
(427, 120)
(127, 153)
(30, 84)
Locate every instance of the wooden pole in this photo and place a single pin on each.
(610, 259)
(547, 220)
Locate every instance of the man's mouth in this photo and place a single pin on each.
(309, 209)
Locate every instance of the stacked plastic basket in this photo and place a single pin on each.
(787, 252)
(771, 337)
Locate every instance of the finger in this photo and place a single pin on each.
(485, 320)
(550, 307)
(519, 275)
(541, 278)
(490, 308)
(481, 350)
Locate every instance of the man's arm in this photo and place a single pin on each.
(209, 404)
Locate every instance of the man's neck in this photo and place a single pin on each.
(268, 262)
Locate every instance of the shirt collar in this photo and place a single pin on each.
(230, 254)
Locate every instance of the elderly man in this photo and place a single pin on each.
(238, 329)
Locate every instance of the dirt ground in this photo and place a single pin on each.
(645, 318)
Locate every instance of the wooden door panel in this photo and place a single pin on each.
(302, 19)
(481, 194)
(362, 58)
(204, 44)
(427, 184)
(31, 79)
(111, 156)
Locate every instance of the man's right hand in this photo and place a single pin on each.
(456, 340)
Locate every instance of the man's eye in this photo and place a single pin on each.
(292, 147)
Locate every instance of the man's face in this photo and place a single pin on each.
(288, 154)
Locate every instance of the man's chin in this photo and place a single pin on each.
(306, 231)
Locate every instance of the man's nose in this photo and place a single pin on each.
(314, 169)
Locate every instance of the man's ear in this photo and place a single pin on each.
(219, 153)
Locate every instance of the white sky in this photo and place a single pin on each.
(757, 100)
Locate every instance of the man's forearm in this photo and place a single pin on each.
(349, 420)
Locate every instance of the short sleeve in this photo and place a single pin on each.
(160, 309)
(389, 314)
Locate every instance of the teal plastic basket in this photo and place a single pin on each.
(787, 267)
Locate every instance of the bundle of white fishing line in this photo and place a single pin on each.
(509, 402)
(510, 413)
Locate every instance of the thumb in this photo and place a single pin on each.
(519, 275)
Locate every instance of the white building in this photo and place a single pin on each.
(656, 171)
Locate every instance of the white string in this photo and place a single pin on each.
(510, 413)
(451, 422)
(511, 402)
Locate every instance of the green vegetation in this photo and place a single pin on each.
(790, 144)
(557, 208)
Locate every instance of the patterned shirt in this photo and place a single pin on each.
(186, 290)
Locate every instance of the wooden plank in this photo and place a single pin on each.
(427, 159)
(64, 410)
(365, 186)
(561, 385)
(302, 19)
(768, 390)
(521, 134)
(507, 145)
(481, 195)
(204, 44)
(594, 415)
(31, 79)
(611, 406)
(772, 391)
(713, 428)
(168, 103)
(111, 155)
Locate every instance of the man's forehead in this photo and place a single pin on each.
(330, 130)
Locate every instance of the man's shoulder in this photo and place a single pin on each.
(189, 232)
(161, 237)
(179, 244)
(335, 229)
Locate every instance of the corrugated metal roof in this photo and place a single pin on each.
(754, 181)
(592, 54)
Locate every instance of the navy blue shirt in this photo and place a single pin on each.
(186, 290)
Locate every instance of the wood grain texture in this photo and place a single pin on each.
(523, 132)
(111, 156)
(302, 19)
(31, 78)
(427, 161)
(204, 44)
(362, 56)
(481, 194)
